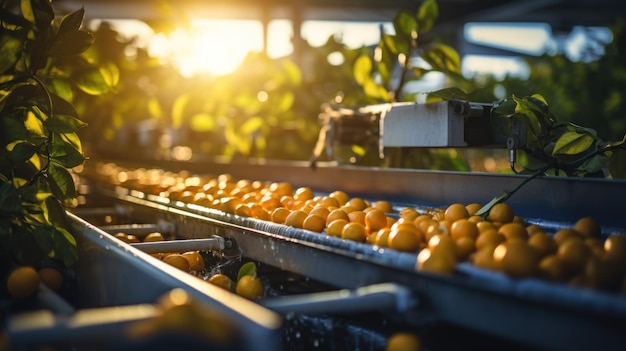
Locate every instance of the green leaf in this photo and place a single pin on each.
(20, 151)
(374, 90)
(9, 199)
(71, 22)
(406, 31)
(27, 10)
(572, 143)
(617, 163)
(252, 125)
(91, 81)
(248, 268)
(285, 102)
(44, 13)
(61, 182)
(67, 150)
(443, 58)
(448, 94)
(178, 109)
(388, 42)
(10, 52)
(362, 69)
(202, 122)
(64, 246)
(427, 15)
(60, 88)
(64, 124)
(71, 43)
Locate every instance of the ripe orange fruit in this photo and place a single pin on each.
(404, 342)
(296, 218)
(588, 227)
(195, 259)
(455, 211)
(337, 214)
(485, 225)
(328, 201)
(409, 213)
(513, 230)
(436, 261)
(335, 228)
(320, 211)
(515, 258)
(354, 231)
(303, 193)
(489, 238)
(383, 205)
(381, 237)
(501, 213)
(565, 234)
(375, 219)
(23, 282)
(553, 268)
(574, 253)
(615, 248)
(51, 277)
(279, 215)
(223, 281)
(357, 216)
(483, 258)
(342, 197)
(314, 223)
(178, 261)
(473, 208)
(404, 240)
(465, 246)
(154, 236)
(250, 287)
(463, 228)
(542, 243)
(358, 203)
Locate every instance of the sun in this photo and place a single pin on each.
(214, 47)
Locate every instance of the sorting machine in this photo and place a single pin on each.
(325, 292)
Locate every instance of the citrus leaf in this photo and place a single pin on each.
(71, 43)
(71, 22)
(61, 182)
(91, 81)
(362, 69)
(427, 15)
(20, 151)
(252, 125)
(572, 143)
(10, 50)
(64, 124)
(248, 268)
(202, 122)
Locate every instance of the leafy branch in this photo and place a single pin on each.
(38, 128)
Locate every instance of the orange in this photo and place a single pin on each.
(51, 277)
(465, 246)
(337, 214)
(269, 202)
(314, 223)
(357, 216)
(409, 213)
(588, 227)
(281, 189)
(513, 230)
(354, 231)
(358, 203)
(485, 225)
(442, 242)
(335, 227)
(542, 243)
(473, 208)
(404, 342)
(435, 229)
(501, 212)
(155, 236)
(303, 193)
(456, 211)
(178, 261)
(342, 197)
(426, 223)
(601, 273)
(404, 240)
(383, 205)
(328, 201)
(565, 234)
(615, 248)
(320, 211)
(534, 228)
(375, 219)
(553, 268)
(574, 252)
(23, 282)
(279, 215)
(489, 238)
(223, 281)
(296, 218)
(243, 210)
(483, 258)
(250, 287)
(196, 261)
(463, 228)
(436, 261)
(381, 237)
(515, 258)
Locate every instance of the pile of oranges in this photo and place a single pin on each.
(440, 237)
